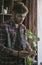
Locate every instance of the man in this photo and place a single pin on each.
(13, 45)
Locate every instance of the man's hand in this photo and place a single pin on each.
(23, 53)
(33, 52)
(30, 50)
(15, 53)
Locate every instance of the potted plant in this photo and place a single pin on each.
(34, 38)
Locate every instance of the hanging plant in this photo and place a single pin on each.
(31, 36)
(34, 38)
(28, 60)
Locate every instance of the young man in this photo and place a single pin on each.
(13, 45)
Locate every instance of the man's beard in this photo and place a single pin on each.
(18, 22)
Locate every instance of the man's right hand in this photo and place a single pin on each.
(23, 53)
(15, 53)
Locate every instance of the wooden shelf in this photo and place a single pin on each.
(8, 14)
(5, 5)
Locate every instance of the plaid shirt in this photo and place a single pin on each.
(7, 41)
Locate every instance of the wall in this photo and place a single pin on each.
(39, 24)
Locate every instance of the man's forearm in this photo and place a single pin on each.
(8, 50)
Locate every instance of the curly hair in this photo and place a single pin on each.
(19, 7)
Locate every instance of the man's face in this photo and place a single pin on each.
(19, 18)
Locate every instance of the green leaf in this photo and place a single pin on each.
(30, 35)
(29, 59)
